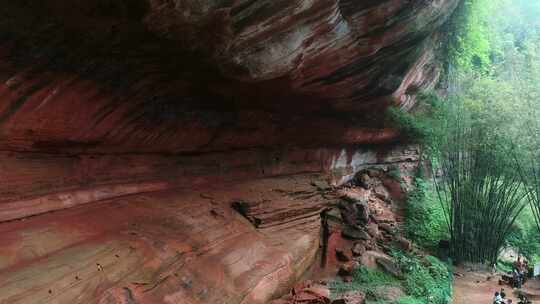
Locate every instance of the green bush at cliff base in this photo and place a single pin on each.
(424, 217)
(425, 280)
(505, 266)
(365, 280)
(410, 300)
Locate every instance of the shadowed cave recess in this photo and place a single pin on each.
(182, 151)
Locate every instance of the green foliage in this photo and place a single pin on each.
(367, 277)
(420, 125)
(426, 279)
(488, 123)
(479, 186)
(366, 280)
(406, 122)
(424, 220)
(470, 46)
(469, 145)
(494, 76)
(410, 300)
(524, 237)
(505, 266)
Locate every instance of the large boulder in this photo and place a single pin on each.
(351, 297)
(306, 293)
(380, 261)
(354, 212)
(388, 265)
(382, 193)
(403, 243)
(358, 249)
(390, 294)
(354, 233)
(373, 230)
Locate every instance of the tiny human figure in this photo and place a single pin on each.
(526, 272)
(518, 264)
(503, 297)
(497, 299)
(523, 299)
(521, 265)
(502, 294)
(516, 278)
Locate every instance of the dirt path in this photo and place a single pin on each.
(479, 288)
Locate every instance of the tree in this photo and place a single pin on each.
(479, 187)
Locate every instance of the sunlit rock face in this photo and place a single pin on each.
(139, 104)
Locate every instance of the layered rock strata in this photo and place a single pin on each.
(129, 128)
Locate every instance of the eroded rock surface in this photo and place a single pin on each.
(128, 129)
(163, 247)
(192, 76)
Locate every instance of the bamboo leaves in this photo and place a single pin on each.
(478, 185)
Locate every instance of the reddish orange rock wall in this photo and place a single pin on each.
(127, 128)
(168, 247)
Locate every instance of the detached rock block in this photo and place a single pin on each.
(342, 255)
(351, 297)
(373, 230)
(389, 266)
(321, 185)
(358, 249)
(366, 181)
(354, 233)
(355, 195)
(390, 294)
(382, 193)
(389, 228)
(403, 244)
(362, 212)
(375, 173)
(307, 293)
(346, 269)
(354, 213)
(334, 214)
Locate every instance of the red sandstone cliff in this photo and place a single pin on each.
(143, 120)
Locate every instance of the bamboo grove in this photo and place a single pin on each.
(479, 187)
(485, 139)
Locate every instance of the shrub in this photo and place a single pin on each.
(424, 220)
(406, 123)
(365, 279)
(524, 236)
(426, 279)
(418, 126)
(410, 300)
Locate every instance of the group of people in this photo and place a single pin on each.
(519, 273)
(500, 298)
